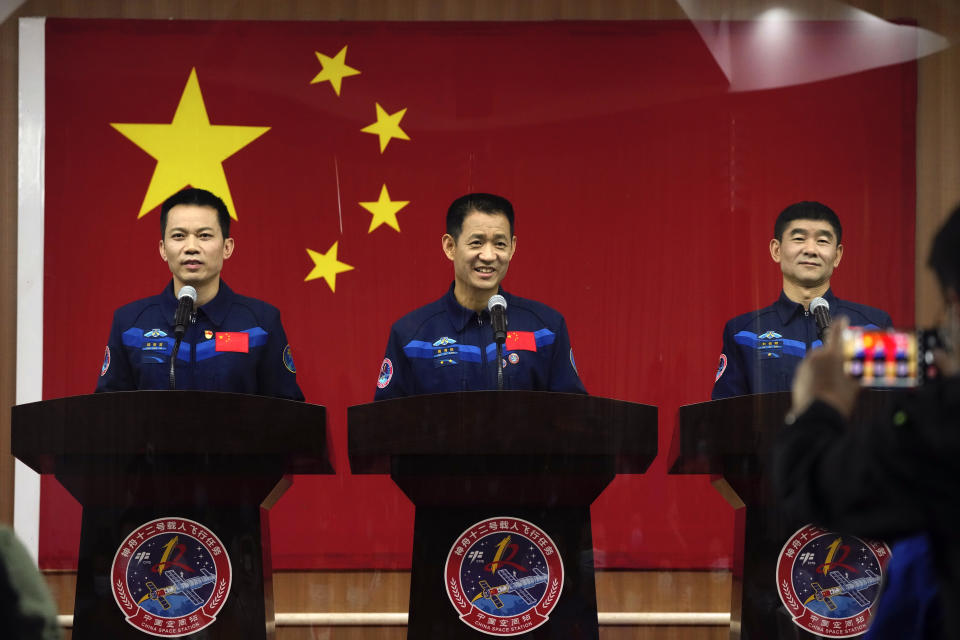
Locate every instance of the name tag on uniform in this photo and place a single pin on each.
(445, 356)
(237, 341)
(521, 341)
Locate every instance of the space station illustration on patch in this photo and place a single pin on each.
(829, 582)
(504, 576)
(170, 577)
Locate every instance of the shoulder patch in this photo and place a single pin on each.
(288, 359)
(722, 366)
(386, 373)
(106, 361)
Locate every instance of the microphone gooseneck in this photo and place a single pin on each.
(185, 301)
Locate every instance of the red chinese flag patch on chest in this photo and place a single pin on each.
(521, 341)
(233, 341)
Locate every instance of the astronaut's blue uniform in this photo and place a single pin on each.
(761, 349)
(444, 346)
(235, 344)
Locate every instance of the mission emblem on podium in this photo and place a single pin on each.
(171, 576)
(504, 576)
(829, 582)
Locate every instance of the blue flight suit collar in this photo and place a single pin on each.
(787, 309)
(216, 310)
(460, 315)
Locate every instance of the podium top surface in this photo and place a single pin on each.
(174, 424)
(715, 437)
(503, 424)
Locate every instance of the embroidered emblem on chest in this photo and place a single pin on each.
(770, 344)
(446, 356)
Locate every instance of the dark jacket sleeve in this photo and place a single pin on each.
(395, 379)
(563, 371)
(732, 379)
(27, 609)
(276, 375)
(116, 374)
(886, 479)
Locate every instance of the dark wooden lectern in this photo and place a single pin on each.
(219, 459)
(732, 440)
(465, 457)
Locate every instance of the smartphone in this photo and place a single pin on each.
(890, 357)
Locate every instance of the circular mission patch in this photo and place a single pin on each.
(170, 577)
(829, 582)
(504, 576)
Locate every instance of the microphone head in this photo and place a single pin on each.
(187, 292)
(496, 301)
(818, 303)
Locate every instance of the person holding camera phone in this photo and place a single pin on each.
(895, 479)
(761, 349)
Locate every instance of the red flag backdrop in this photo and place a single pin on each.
(645, 194)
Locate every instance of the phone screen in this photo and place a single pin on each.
(882, 357)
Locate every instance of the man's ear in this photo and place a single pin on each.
(449, 245)
(775, 250)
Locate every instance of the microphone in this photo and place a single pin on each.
(185, 300)
(187, 297)
(497, 306)
(821, 313)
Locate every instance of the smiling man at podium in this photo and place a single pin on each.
(229, 342)
(897, 472)
(451, 345)
(762, 349)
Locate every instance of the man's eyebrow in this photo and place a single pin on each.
(210, 228)
(818, 232)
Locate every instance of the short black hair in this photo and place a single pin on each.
(482, 202)
(806, 210)
(200, 198)
(945, 253)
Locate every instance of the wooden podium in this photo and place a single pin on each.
(475, 457)
(732, 440)
(207, 461)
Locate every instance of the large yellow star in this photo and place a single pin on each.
(326, 266)
(387, 126)
(189, 150)
(335, 69)
(384, 210)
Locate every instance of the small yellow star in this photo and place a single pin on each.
(335, 69)
(189, 150)
(326, 266)
(387, 126)
(384, 210)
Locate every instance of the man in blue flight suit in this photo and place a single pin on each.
(899, 478)
(762, 349)
(448, 345)
(233, 343)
